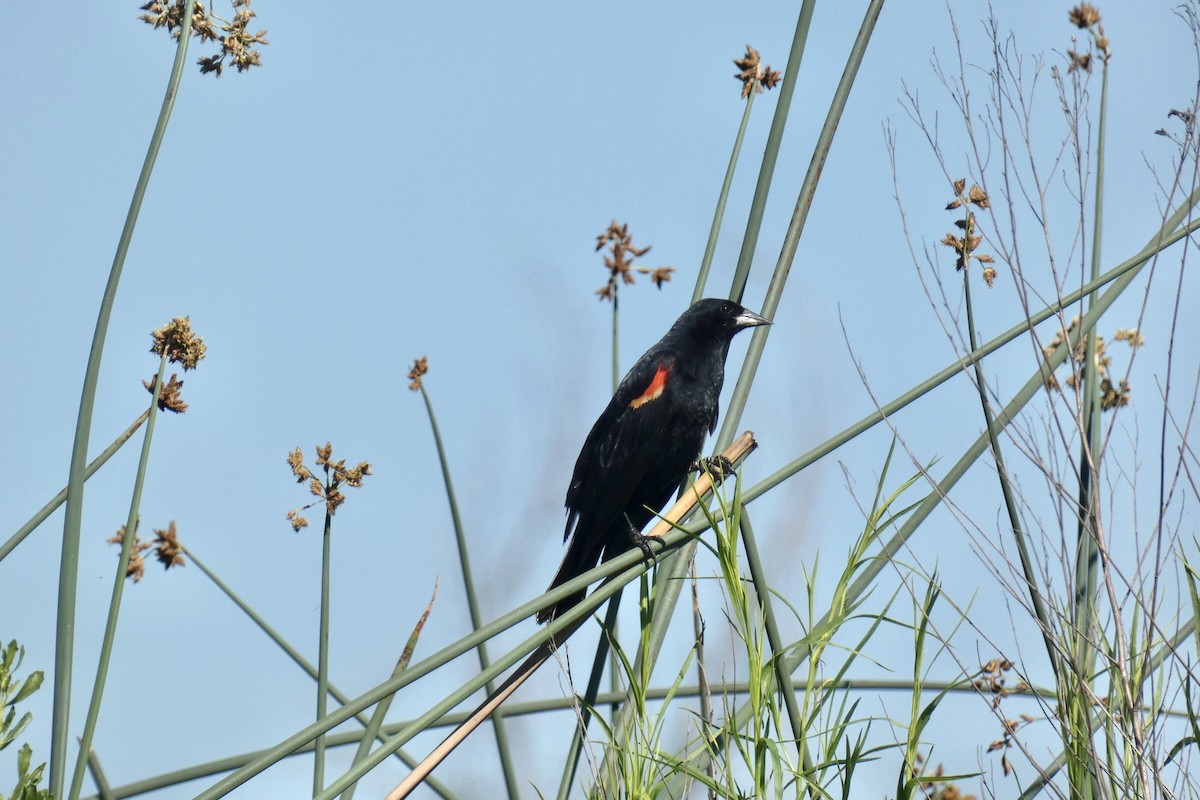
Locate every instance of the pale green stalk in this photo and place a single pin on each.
(114, 605)
(58, 499)
(1077, 719)
(1010, 503)
(103, 790)
(68, 574)
(714, 230)
(460, 539)
(766, 172)
(323, 654)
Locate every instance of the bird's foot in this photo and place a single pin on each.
(716, 466)
(642, 542)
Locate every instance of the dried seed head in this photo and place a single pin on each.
(179, 343)
(419, 368)
(168, 398)
(1084, 15)
(136, 568)
(753, 75)
(619, 261)
(297, 521)
(1079, 61)
(167, 548)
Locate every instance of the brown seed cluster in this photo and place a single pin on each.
(166, 546)
(1112, 394)
(753, 75)
(329, 490)
(180, 344)
(1087, 17)
(965, 242)
(1008, 739)
(619, 261)
(168, 398)
(419, 368)
(236, 41)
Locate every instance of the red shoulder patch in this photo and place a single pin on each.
(655, 389)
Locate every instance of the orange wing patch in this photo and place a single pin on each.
(655, 389)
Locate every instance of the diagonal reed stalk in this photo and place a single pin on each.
(114, 605)
(460, 539)
(37, 519)
(68, 576)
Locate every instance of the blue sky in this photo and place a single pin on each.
(408, 179)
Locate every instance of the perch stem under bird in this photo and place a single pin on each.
(696, 490)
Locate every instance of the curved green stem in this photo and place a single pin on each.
(68, 575)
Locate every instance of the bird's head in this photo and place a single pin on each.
(714, 318)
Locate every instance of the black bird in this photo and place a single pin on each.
(647, 439)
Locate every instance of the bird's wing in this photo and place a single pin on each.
(622, 443)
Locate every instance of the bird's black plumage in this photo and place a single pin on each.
(639, 450)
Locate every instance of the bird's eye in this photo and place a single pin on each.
(725, 309)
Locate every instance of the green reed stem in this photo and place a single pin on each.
(68, 575)
(323, 655)
(103, 790)
(58, 499)
(114, 605)
(714, 231)
(766, 171)
(464, 560)
(1010, 502)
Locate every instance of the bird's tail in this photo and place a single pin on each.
(582, 554)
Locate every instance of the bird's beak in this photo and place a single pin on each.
(748, 319)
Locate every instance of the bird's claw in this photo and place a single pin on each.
(716, 466)
(642, 542)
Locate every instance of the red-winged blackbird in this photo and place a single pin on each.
(643, 444)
